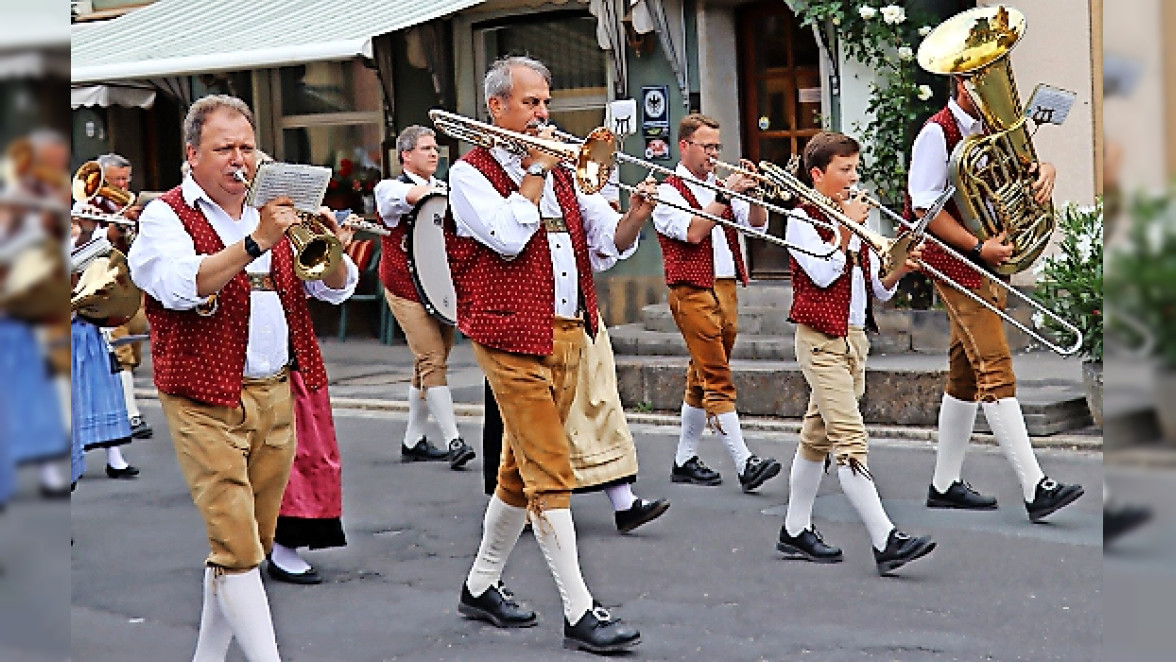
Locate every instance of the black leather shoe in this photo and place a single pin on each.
(639, 513)
(900, 550)
(1050, 497)
(1120, 519)
(62, 492)
(808, 546)
(695, 473)
(757, 471)
(459, 453)
(598, 632)
(497, 605)
(140, 429)
(309, 577)
(128, 472)
(423, 451)
(960, 496)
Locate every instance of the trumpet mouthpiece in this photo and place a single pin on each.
(239, 175)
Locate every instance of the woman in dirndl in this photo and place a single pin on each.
(98, 412)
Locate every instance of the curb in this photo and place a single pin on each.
(1079, 442)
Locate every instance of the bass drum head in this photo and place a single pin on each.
(427, 261)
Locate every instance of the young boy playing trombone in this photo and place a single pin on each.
(831, 308)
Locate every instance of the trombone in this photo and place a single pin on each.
(592, 160)
(892, 249)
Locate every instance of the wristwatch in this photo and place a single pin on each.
(976, 252)
(537, 170)
(722, 198)
(252, 248)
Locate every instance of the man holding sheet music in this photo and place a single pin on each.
(228, 318)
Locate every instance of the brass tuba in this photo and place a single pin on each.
(991, 172)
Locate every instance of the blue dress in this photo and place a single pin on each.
(32, 425)
(98, 411)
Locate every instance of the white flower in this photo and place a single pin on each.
(836, 20)
(1085, 248)
(867, 12)
(924, 92)
(893, 14)
(905, 53)
(925, 30)
(1038, 319)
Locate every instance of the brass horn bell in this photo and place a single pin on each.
(89, 186)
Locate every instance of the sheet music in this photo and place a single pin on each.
(1049, 105)
(304, 184)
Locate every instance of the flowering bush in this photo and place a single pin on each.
(879, 34)
(1141, 277)
(1070, 282)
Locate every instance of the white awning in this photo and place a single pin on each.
(181, 37)
(106, 96)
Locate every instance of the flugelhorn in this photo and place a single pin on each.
(316, 249)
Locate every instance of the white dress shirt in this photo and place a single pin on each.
(505, 225)
(927, 179)
(164, 263)
(824, 271)
(392, 197)
(674, 223)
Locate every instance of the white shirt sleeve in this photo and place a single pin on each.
(391, 200)
(927, 179)
(880, 292)
(163, 259)
(504, 225)
(600, 228)
(673, 223)
(319, 290)
(819, 270)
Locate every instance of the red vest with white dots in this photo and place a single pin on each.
(933, 254)
(826, 309)
(507, 304)
(694, 264)
(203, 358)
(394, 258)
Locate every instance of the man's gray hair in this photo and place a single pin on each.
(199, 112)
(498, 81)
(113, 160)
(408, 138)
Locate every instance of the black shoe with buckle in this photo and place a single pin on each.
(140, 429)
(598, 632)
(900, 550)
(422, 451)
(1050, 497)
(695, 473)
(306, 577)
(757, 471)
(639, 513)
(497, 606)
(459, 453)
(960, 496)
(128, 471)
(808, 545)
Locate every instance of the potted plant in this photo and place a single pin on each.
(1070, 283)
(1141, 273)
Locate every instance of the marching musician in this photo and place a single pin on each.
(703, 260)
(831, 308)
(980, 364)
(522, 251)
(222, 369)
(429, 340)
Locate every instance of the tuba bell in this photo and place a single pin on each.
(992, 172)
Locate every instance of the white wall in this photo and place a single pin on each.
(718, 74)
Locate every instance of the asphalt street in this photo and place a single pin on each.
(702, 583)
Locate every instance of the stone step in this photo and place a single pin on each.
(636, 340)
(894, 394)
(753, 320)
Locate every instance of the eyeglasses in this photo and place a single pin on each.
(708, 147)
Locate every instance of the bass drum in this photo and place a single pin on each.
(427, 262)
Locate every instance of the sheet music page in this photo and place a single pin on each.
(1050, 105)
(304, 184)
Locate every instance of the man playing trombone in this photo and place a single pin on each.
(702, 263)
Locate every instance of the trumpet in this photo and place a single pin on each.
(316, 250)
(356, 223)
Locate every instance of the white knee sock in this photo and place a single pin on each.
(288, 559)
(114, 458)
(693, 423)
(556, 534)
(732, 438)
(51, 476)
(245, 606)
(1008, 424)
(500, 531)
(212, 644)
(418, 417)
(803, 481)
(440, 402)
(956, 419)
(128, 386)
(862, 493)
(621, 496)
